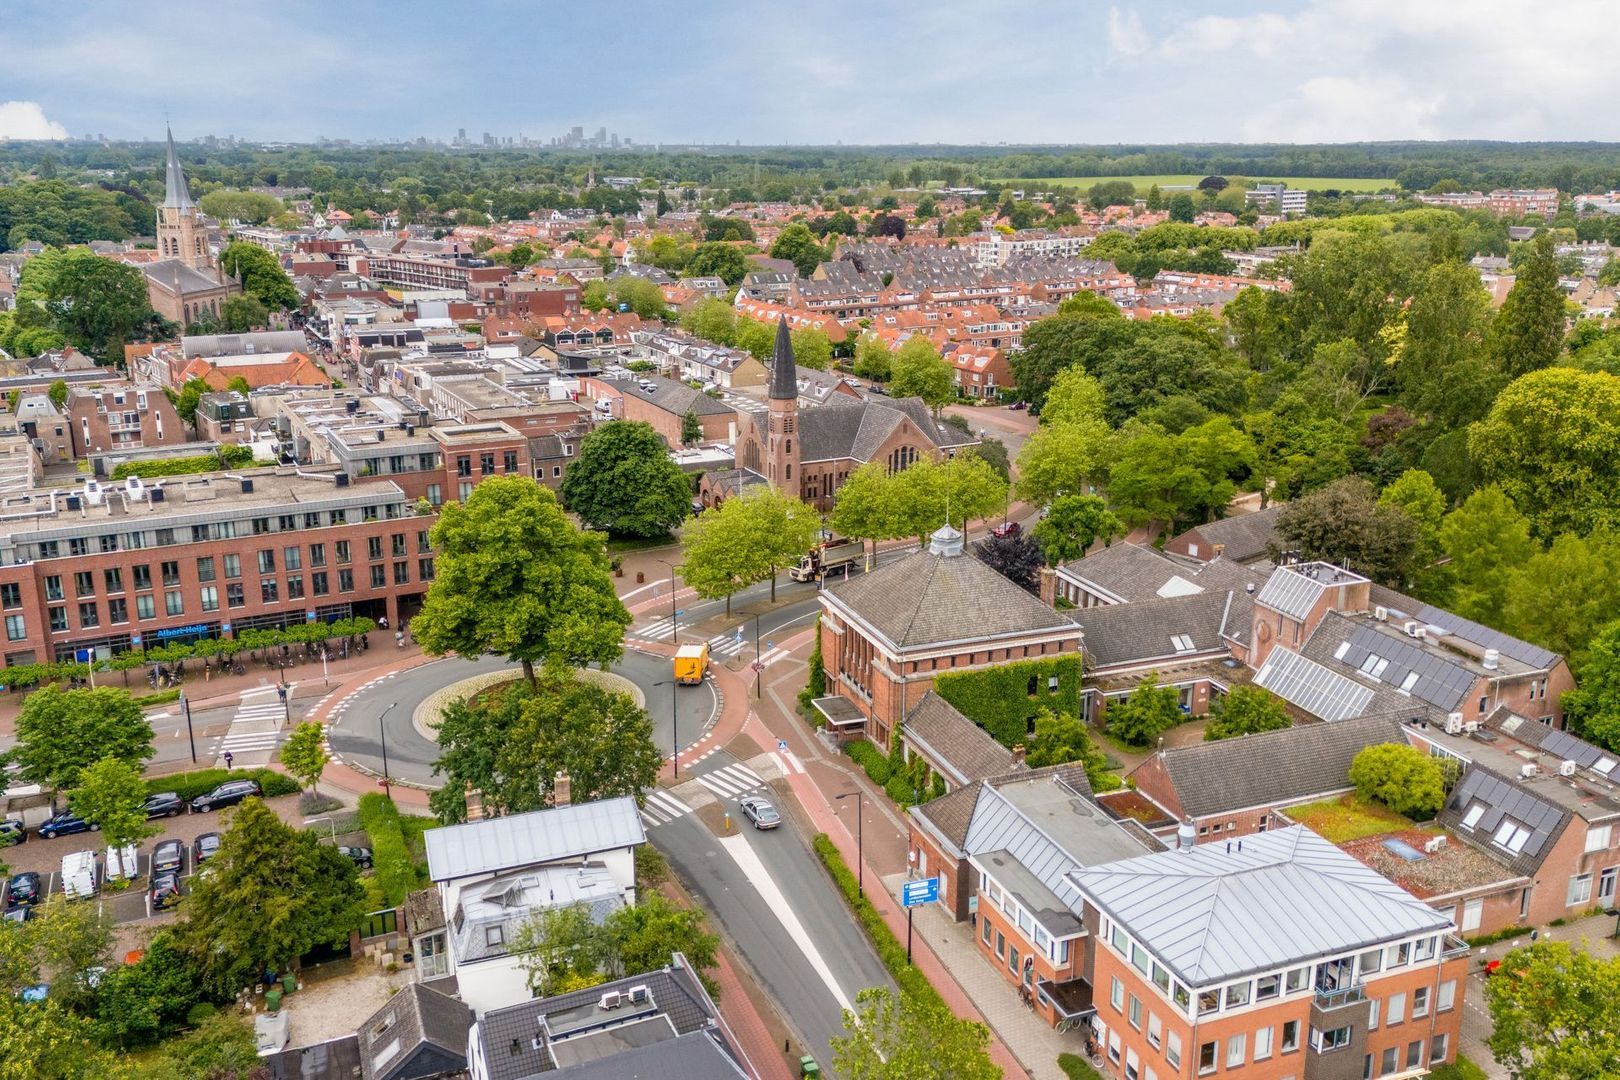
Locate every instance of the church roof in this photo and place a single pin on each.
(784, 372)
(175, 193)
(178, 279)
(859, 429)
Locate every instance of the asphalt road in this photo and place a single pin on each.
(770, 897)
(356, 734)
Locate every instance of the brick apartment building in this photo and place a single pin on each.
(107, 419)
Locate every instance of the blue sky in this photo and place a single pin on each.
(835, 70)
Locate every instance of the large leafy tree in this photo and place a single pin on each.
(97, 304)
(1402, 777)
(625, 482)
(1486, 540)
(873, 360)
(1061, 739)
(797, 244)
(304, 754)
(1245, 710)
(926, 494)
(1593, 707)
(1069, 458)
(863, 510)
(111, 796)
(1552, 442)
(724, 261)
(1074, 397)
(712, 319)
(1147, 713)
(747, 539)
(1443, 368)
(1016, 558)
(516, 578)
(1560, 597)
(1159, 478)
(812, 348)
(1415, 494)
(139, 1003)
(564, 948)
(1552, 1013)
(262, 275)
(906, 1036)
(1062, 341)
(1528, 333)
(917, 370)
(271, 894)
(1073, 524)
(1342, 523)
(239, 314)
(62, 732)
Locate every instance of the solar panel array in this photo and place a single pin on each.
(1290, 592)
(1502, 799)
(1439, 681)
(1486, 638)
(1318, 690)
(1563, 745)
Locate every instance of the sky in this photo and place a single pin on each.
(850, 71)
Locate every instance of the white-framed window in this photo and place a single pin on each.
(1372, 1015)
(1206, 1058)
(1238, 994)
(1475, 812)
(1155, 1031)
(1236, 1050)
(1437, 1049)
(1135, 1015)
(1133, 1065)
(1290, 1036)
(1398, 955)
(1396, 1011)
(1116, 994)
(1580, 889)
(1297, 979)
(1371, 961)
(1262, 1043)
(1420, 1002)
(1447, 996)
(1597, 839)
(1172, 1050)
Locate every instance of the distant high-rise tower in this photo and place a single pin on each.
(781, 446)
(180, 234)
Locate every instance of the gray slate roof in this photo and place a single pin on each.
(1242, 536)
(928, 599)
(262, 341)
(1140, 633)
(540, 836)
(175, 193)
(418, 1019)
(178, 279)
(857, 429)
(694, 1056)
(1273, 768)
(965, 748)
(1501, 799)
(1134, 572)
(674, 397)
(1274, 900)
(784, 371)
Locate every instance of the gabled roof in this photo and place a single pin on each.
(1241, 536)
(415, 1020)
(1392, 660)
(1274, 899)
(537, 837)
(1274, 768)
(1311, 687)
(857, 429)
(958, 744)
(1127, 573)
(1173, 629)
(1505, 819)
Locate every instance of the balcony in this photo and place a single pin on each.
(1451, 946)
(1329, 1000)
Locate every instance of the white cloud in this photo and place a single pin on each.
(27, 120)
(1126, 35)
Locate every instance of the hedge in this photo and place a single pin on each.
(870, 758)
(1076, 1067)
(157, 469)
(888, 947)
(390, 854)
(189, 785)
(998, 698)
(816, 684)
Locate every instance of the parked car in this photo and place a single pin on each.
(1019, 406)
(360, 855)
(227, 794)
(760, 812)
(12, 831)
(1007, 528)
(62, 824)
(18, 914)
(203, 848)
(165, 804)
(165, 891)
(169, 857)
(23, 891)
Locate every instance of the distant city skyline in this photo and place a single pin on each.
(720, 72)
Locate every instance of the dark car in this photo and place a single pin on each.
(165, 804)
(203, 848)
(227, 794)
(12, 831)
(63, 823)
(360, 855)
(760, 812)
(1007, 528)
(165, 891)
(23, 891)
(1018, 406)
(168, 857)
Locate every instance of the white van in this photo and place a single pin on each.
(123, 864)
(79, 875)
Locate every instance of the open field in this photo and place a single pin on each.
(1309, 183)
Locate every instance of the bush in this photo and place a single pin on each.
(884, 943)
(900, 789)
(816, 685)
(1402, 777)
(311, 803)
(1461, 1069)
(189, 785)
(870, 758)
(1076, 1067)
(390, 855)
(998, 699)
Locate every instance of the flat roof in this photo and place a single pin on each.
(534, 838)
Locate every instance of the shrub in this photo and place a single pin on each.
(1461, 1069)
(311, 803)
(870, 758)
(900, 789)
(1076, 1067)
(1000, 700)
(1402, 777)
(189, 785)
(1149, 712)
(390, 855)
(816, 685)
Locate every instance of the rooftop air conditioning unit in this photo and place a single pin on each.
(1381, 614)
(1413, 628)
(1471, 727)
(1491, 660)
(1434, 844)
(1454, 724)
(639, 995)
(610, 1000)
(1527, 770)
(1566, 768)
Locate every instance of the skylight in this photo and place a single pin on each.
(1604, 765)
(1374, 665)
(1511, 835)
(1181, 642)
(1475, 812)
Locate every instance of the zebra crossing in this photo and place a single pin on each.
(726, 783)
(662, 808)
(721, 645)
(255, 729)
(730, 781)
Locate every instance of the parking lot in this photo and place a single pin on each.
(44, 857)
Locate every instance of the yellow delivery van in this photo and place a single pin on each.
(691, 663)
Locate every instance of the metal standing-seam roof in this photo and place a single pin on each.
(540, 836)
(1271, 900)
(1309, 686)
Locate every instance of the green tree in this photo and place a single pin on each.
(863, 510)
(97, 304)
(60, 733)
(917, 370)
(625, 482)
(1593, 707)
(1074, 397)
(755, 338)
(1552, 1013)
(516, 578)
(1061, 739)
(1402, 777)
(1443, 368)
(1016, 558)
(271, 894)
(1415, 494)
(906, 1036)
(1245, 710)
(520, 255)
(1485, 540)
(993, 452)
(111, 796)
(304, 754)
(1064, 459)
(1552, 442)
(186, 401)
(1343, 524)
(1073, 524)
(594, 296)
(712, 319)
(240, 314)
(873, 360)
(797, 244)
(47, 1039)
(58, 393)
(139, 1003)
(261, 273)
(1182, 208)
(568, 949)
(1528, 333)
(1147, 713)
(724, 261)
(248, 207)
(561, 949)
(1560, 597)
(239, 384)
(927, 494)
(1158, 478)
(747, 539)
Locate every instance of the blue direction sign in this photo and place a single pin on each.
(919, 892)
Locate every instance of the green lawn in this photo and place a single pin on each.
(1347, 818)
(1309, 183)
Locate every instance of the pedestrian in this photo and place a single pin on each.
(382, 622)
(228, 759)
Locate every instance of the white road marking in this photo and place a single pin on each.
(729, 781)
(662, 808)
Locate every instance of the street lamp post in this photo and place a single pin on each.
(674, 729)
(674, 616)
(185, 707)
(286, 704)
(860, 847)
(382, 730)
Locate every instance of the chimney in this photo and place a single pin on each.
(475, 804)
(1018, 754)
(1048, 586)
(1218, 548)
(1186, 836)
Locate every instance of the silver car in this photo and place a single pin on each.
(759, 811)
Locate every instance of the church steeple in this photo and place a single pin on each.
(180, 231)
(784, 368)
(781, 445)
(176, 196)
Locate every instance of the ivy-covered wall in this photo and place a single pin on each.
(999, 698)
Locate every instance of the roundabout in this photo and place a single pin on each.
(394, 715)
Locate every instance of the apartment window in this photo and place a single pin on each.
(1209, 1001)
(1414, 1054)
(509, 461)
(397, 544)
(1437, 1049)
(1390, 1060)
(1135, 1016)
(1001, 944)
(1580, 889)
(1113, 1047)
(171, 573)
(1372, 1016)
(295, 586)
(345, 581)
(1206, 1058)
(317, 583)
(424, 569)
(78, 545)
(210, 598)
(486, 462)
(234, 595)
(1597, 839)
(312, 521)
(16, 628)
(1371, 961)
(317, 554)
(1332, 1039)
(89, 615)
(145, 606)
(379, 577)
(11, 595)
(1139, 959)
(108, 543)
(340, 517)
(58, 620)
(84, 583)
(261, 526)
(1395, 1012)
(1161, 978)
(286, 522)
(1012, 959)
(1447, 996)
(1483, 701)
(1400, 954)
(1237, 994)
(1155, 1030)
(424, 544)
(494, 935)
(117, 610)
(1236, 1050)
(267, 561)
(374, 547)
(233, 566)
(1262, 1044)
(1420, 1002)
(174, 602)
(985, 925)
(1267, 987)
(463, 465)
(1116, 994)
(292, 558)
(368, 513)
(1133, 1065)
(342, 551)
(1290, 1036)
(434, 495)
(53, 587)
(1296, 979)
(269, 590)
(1424, 948)
(1172, 1050)
(463, 490)
(143, 576)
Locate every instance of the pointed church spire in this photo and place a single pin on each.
(784, 369)
(175, 193)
